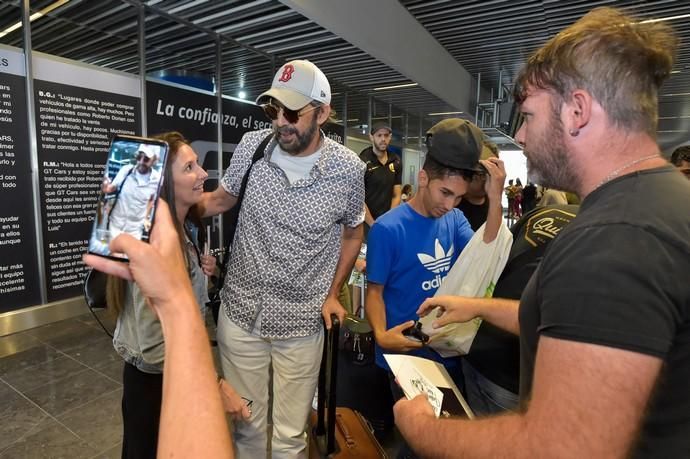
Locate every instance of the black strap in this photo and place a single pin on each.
(117, 195)
(234, 213)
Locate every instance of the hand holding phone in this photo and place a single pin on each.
(129, 192)
(415, 333)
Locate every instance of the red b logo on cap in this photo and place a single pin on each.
(288, 70)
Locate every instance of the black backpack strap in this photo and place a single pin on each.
(117, 195)
(234, 213)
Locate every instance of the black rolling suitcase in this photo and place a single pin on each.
(363, 385)
(340, 432)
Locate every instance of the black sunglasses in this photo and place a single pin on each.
(292, 116)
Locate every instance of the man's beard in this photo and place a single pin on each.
(302, 140)
(143, 169)
(377, 149)
(549, 162)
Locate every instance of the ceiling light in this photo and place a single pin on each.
(397, 86)
(679, 130)
(34, 16)
(443, 113)
(674, 117)
(675, 71)
(669, 18)
(676, 94)
(242, 95)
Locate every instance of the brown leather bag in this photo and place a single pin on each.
(353, 437)
(345, 433)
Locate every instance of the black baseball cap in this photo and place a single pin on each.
(380, 125)
(456, 143)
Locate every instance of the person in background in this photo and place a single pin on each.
(406, 193)
(138, 336)
(135, 184)
(517, 198)
(510, 196)
(553, 197)
(298, 234)
(604, 322)
(529, 197)
(474, 203)
(681, 159)
(383, 178)
(192, 423)
(491, 369)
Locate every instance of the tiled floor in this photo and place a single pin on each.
(60, 392)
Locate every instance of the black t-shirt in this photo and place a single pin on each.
(379, 181)
(495, 352)
(618, 276)
(475, 213)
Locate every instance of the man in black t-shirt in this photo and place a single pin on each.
(604, 322)
(383, 178)
(492, 367)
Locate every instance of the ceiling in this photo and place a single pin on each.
(487, 37)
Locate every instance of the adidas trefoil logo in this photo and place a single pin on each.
(440, 261)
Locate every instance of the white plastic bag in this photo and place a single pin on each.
(474, 274)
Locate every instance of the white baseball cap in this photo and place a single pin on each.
(147, 151)
(296, 84)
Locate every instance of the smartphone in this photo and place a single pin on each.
(415, 333)
(129, 192)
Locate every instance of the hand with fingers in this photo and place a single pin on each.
(332, 306)
(394, 340)
(238, 408)
(449, 309)
(496, 177)
(157, 267)
(208, 264)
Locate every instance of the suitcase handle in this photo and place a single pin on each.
(328, 374)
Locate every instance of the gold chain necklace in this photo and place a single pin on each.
(616, 172)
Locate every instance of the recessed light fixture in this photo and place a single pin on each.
(668, 18)
(34, 16)
(397, 86)
(242, 95)
(443, 113)
(676, 94)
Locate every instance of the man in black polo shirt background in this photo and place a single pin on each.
(383, 178)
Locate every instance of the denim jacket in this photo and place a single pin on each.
(138, 336)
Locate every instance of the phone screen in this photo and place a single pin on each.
(129, 192)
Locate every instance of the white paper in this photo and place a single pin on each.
(414, 383)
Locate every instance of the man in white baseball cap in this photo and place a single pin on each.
(298, 235)
(297, 84)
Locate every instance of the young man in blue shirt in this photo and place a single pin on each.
(413, 246)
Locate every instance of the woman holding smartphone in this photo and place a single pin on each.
(138, 337)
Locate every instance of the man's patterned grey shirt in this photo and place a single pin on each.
(288, 237)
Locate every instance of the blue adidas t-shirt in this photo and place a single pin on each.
(410, 255)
